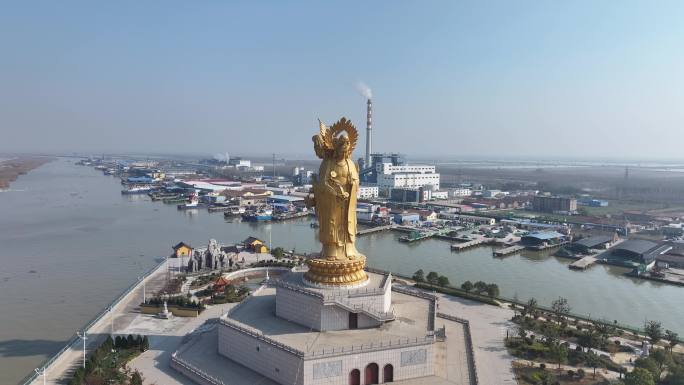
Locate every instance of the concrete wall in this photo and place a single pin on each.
(260, 356)
(299, 308)
(367, 322)
(409, 362)
(334, 318)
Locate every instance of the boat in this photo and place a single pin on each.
(234, 211)
(136, 190)
(264, 214)
(193, 204)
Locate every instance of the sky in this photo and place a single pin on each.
(581, 79)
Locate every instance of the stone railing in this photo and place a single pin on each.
(181, 365)
(470, 353)
(255, 333)
(299, 289)
(409, 290)
(373, 346)
(432, 309)
(377, 315)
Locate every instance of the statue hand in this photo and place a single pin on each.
(345, 195)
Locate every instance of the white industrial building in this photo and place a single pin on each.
(461, 192)
(406, 176)
(367, 192)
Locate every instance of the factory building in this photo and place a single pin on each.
(411, 195)
(551, 204)
(406, 176)
(460, 192)
(639, 251)
(369, 172)
(367, 192)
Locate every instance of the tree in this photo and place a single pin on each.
(639, 376)
(467, 286)
(593, 361)
(432, 277)
(145, 344)
(493, 290)
(604, 330)
(136, 378)
(588, 339)
(278, 252)
(660, 357)
(672, 338)
(522, 333)
(480, 287)
(531, 308)
(118, 343)
(675, 376)
(559, 353)
(654, 331)
(649, 364)
(419, 276)
(443, 281)
(130, 341)
(560, 308)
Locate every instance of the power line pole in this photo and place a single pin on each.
(41, 372)
(84, 337)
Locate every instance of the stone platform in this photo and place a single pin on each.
(295, 334)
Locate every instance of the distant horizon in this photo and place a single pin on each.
(412, 158)
(501, 79)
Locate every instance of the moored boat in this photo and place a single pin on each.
(259, 215)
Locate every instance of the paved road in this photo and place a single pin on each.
(60, 371)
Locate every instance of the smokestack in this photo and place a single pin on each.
(369, 127)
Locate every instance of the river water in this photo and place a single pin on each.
(70, 243)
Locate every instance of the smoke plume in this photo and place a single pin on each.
(364, 90)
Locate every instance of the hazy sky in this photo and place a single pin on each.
(572, 78)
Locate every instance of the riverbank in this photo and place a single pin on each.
(10, 169)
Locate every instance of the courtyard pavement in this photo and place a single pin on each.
(488, 326)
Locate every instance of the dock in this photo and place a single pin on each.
(546, 246)
(218, 208)
(583, 263)
(376, 229)
(507, 250)
(415, 236)
(467, 245)
(284, 217)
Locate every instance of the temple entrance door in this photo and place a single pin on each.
(371, 375)
(355, 377)
(353, 321)
(388, 373)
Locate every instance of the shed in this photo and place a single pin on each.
(639, 250)
(596, 242)
(182, 249)
(542, 238)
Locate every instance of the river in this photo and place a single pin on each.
(70, 243)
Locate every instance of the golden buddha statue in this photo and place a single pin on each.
(334, 198)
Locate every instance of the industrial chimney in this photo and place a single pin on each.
(369, 124)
